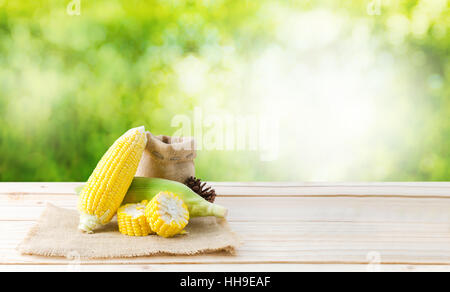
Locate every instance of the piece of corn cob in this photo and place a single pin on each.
(104, 191)
(132, 221)
(167, 214)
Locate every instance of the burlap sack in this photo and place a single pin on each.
(168, 157)
(56, 234)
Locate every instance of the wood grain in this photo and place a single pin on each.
(284, 227)
(259, 189)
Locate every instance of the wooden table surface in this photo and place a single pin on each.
(284, 227)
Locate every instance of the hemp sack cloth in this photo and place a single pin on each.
(57, 234)
(168, 157)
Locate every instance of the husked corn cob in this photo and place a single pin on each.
(104, 191)
(167, 214)
(132, 221)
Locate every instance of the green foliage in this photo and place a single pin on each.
(70, 85)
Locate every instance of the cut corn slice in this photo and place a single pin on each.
(104, 191)
(132, 221)
(167, 214)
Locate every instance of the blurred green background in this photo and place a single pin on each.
(360, 89)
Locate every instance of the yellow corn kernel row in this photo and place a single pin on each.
(106, 187)
(167, 214)
(132, 221)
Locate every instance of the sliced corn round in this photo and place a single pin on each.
(132, 221)
(167, 214)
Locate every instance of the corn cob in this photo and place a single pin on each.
(145, 188)
(167, 214)
(106, 187)
(132, 221)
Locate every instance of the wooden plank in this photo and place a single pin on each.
(225, 268)
(330, 184)
(302, 234)
(38, 188)
(249, 256)
(428, 189)
(398, 210)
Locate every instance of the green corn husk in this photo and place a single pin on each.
(145, 188)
